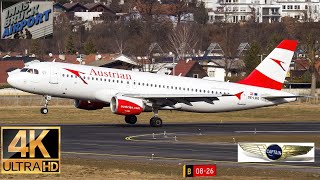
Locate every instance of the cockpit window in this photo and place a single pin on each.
(23, 70)
(31, 71)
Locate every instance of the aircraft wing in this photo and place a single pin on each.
(171, 99)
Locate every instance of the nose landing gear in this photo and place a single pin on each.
(44, 110)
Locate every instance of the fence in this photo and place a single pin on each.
(32, 100)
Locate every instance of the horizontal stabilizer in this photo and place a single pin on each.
(281, 97)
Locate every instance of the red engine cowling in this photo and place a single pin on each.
(89, 105)
(126, 106)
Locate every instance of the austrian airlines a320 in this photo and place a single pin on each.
(129, 93)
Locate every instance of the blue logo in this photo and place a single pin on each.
(274, 152)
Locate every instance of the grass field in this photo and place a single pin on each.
(76, 168)
(69, 114)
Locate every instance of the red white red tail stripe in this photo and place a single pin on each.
(271, 72)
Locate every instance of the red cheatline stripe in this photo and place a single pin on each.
(256, 78)
(290, 45)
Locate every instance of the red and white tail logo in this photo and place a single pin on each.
(271, 72)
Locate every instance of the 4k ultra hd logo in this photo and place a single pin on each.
(30, 150)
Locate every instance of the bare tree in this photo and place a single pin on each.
(182, 40)
(311, 45)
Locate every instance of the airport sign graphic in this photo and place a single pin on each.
(30, 150)
(27, 20)
(271, 152)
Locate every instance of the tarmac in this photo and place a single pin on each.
(144, 143)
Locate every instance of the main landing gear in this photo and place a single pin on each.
(155, 121)
(44, 110)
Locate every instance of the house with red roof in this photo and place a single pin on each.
(189, 68)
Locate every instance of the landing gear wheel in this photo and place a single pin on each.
(155, 122)
(131, 119)
(44, 110)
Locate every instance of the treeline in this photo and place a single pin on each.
(134, 37)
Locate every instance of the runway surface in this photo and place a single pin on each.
(137, 142)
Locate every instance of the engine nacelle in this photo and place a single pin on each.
(89, 105)
(126, 106)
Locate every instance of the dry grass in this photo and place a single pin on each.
(69, 114)
(76, 168)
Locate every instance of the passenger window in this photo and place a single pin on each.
(71, 76)
(62, 75)
(36, 71)
(30, 71)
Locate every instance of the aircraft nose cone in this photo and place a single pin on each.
(10, 80)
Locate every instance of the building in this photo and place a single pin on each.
(118, 62)
(235, 11)
(189, 68)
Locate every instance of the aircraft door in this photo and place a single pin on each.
(53, 75)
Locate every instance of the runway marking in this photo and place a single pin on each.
(278, 131)
(186, 159)
(131, 138)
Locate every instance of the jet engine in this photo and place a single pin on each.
(89, 105)
(126, 106)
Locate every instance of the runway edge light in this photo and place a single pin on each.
(199, 170)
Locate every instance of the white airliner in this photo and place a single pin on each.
(130, 93)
